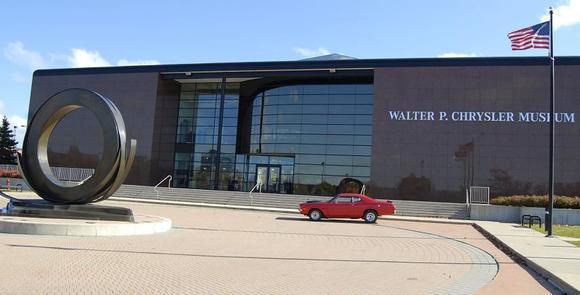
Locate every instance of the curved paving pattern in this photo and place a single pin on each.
(215, 251)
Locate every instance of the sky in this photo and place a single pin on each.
(63, 34)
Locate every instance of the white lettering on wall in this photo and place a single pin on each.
(412, 116)
(527, 117)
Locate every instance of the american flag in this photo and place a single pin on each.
(536, 36)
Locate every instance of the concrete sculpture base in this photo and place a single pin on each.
(44, 209)
(143, 225)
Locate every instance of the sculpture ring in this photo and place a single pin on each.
(111, 170)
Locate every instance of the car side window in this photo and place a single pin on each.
(343, 200)
(356, 199)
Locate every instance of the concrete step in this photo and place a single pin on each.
(404, 207)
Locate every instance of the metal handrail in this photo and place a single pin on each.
(478, 195)
(83, 181)
(164, 179)
(259, 186)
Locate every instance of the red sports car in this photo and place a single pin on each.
(348, 206)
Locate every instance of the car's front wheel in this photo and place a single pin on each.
(370, 216)
(315, 215)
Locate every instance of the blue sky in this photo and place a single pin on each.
(61, 34)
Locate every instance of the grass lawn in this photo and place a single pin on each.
(572, 231)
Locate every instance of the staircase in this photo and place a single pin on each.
(432, 209)
(235, 198)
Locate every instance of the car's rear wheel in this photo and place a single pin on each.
(370, 216)
(315, 215)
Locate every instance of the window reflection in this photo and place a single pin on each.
(305, 138)
(322, 125)
(199, 124)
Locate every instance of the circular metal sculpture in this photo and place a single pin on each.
(349, 185)
(111, 170)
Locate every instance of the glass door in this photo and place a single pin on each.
(261, 177)
(274, 179)
(269, 177)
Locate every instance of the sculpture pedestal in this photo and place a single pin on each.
(44, 209)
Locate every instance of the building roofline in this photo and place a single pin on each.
(353, 64)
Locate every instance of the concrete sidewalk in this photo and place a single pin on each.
(552, 258)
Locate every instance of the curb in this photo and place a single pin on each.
(425, 219)
(208, 205)
(553, 279)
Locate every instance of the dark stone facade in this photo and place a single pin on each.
(423, 158)
(134, 94)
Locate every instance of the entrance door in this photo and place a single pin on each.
(269, 177)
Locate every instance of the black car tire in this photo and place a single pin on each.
(315, 215)
(370, 216)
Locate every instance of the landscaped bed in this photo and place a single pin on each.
(536, 201)
(572, 231)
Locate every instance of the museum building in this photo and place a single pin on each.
(418, 129)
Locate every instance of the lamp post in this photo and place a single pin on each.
(322, 173)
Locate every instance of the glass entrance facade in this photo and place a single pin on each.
(206, 135)
(268, 178)
(326, 127)
(301, 138)
(270, 172)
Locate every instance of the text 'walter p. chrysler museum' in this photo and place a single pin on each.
(418, 129)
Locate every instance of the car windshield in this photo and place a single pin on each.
(333, 200)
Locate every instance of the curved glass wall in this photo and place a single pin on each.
(326, 129)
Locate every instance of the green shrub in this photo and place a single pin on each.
(537, 201)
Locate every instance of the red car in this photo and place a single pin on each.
(348, 206)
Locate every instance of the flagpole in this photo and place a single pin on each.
(550, 219)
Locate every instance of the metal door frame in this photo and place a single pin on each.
(268, 166)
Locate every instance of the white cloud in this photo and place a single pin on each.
(567, 14)
(82, 58)
(457, 54)
(306, 52)
(77, 58)
(125, 62)
(16, 53)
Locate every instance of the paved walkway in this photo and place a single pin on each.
(560, 267)
(553, 258)
(221, 251)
